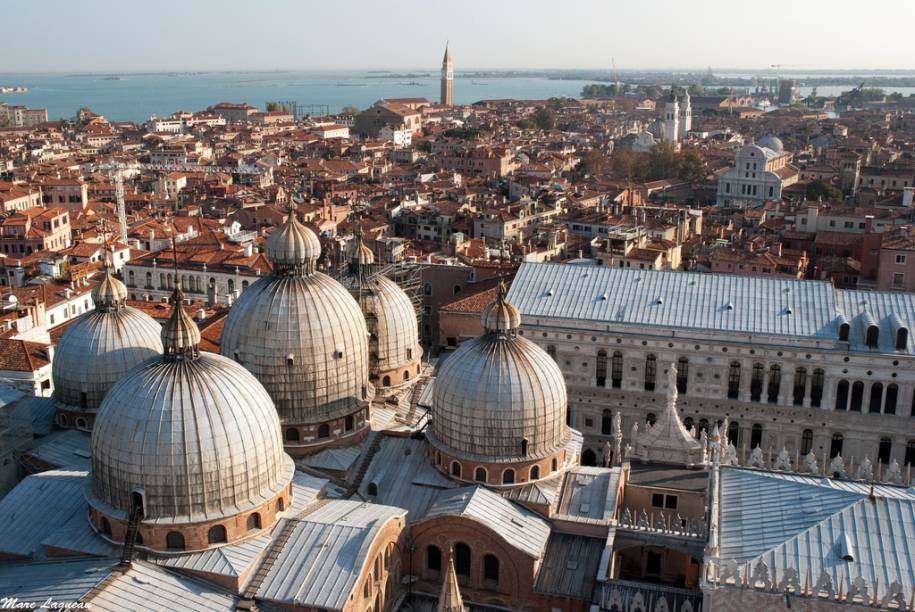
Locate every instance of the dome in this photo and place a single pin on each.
(194, 432)
(363, 255)
(293, 245)
(100, 347)
(304, 338)
(500, 396)
(771, 142)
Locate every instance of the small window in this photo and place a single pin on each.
(480, 474)
(490, 568)
(216, 534)
(535, 472)
(292, 434)
(254, 521)
(324, 431)
(456, 469)
(508, 476)
(433, 558)
(462, 559)
(174, 541)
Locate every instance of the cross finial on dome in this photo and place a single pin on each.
(180, 335)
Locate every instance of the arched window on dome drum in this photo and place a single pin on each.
(462, 559)
(490, 568)
(508, 476)
(682, 374)
(524, 447)
(553, 464)
(216, 534)
(756, 435)
(105, 527)
(292, 434)
(876, 398)
(324, 431)
(535, 473)
(348, 423)
(842, 395)
(734, 380)
(817, 383)
(433, 558)
(606, 422)
(174, 541)
(800, 386)
(616, 370)
(406, 376)
(386, 381)
(857, 396)
(884, 450)
(254, 521)
(775, 383)
(892, 396)
(480, 474)
(651, 372)
(836, 446)
(456, 469)
(601, 368)
(806, 441)
(756, 381)
(280, 505)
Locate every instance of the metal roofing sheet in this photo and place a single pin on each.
(519, 526)
(147, 588)
(233, 560)
(62, 581)
(65, 449)
(589, 493)
(569, 566)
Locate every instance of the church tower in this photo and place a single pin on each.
(447, 98)
(670, 118)
(686, 116)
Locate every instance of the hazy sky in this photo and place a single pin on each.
(125, 35)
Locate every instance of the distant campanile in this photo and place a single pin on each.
(447, 79)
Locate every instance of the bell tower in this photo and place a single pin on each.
(447, 97)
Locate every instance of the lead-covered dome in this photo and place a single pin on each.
(773, 142)
(292, 244)
(100, 347)
(304, 338)
(499, 396)
(193, 433)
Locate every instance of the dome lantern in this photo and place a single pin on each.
(180, 335)
(501, 317)
(292, 248)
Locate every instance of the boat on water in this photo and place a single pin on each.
(14, 89)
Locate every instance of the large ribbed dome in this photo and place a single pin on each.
(304, 338)
(496, 391)
(195, 432)
(100, 347)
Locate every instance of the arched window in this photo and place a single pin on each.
(216, 534)
(651, 419)
(756, 381)
(876, 398)
(835, 448)
(456, 289)
(490, 568)
(817, 383)
(105, 527)
(800, 386)
(857, 396)
(606, 422)
(386, 381)
(508, 476)
(601, 368)
(456, 469)
(734, 433)
(480, 474)
(588, 457)
(427, 289)
(842, 395)
(756, 435)
(806, 441)
(406, 376)
(775, 382)
(734, 380)
(892, 395)
(551, 351)
(461, 559)
(553, 465)
(651, 372)
(348, 423)
(843, 332)
(231, 285)
(433, 558)
(682, 374)
(616, 370)
(902, 339)
(535, 472)
(280, 505)
(884, 450)
(292, 434)
(254, 521)
(324, 430)
(174, 541)
(872, 336)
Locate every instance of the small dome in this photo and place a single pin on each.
(500, 396)
(100, 347)
(363, 255)
(293, 245)
(180, 335)
(392, 324)
(772, 142)
(195, 433)
(109, 293)
(501, 316)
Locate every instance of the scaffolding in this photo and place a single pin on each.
(299, 111)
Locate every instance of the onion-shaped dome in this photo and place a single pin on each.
(363, 255)
(773, 142)
(304, 338)
(193, 432)
(292, 245)
(499, 396)
(100, 347)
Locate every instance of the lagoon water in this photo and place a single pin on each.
(136, 97)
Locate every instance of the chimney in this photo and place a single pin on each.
(201, 314)
(249, 249)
